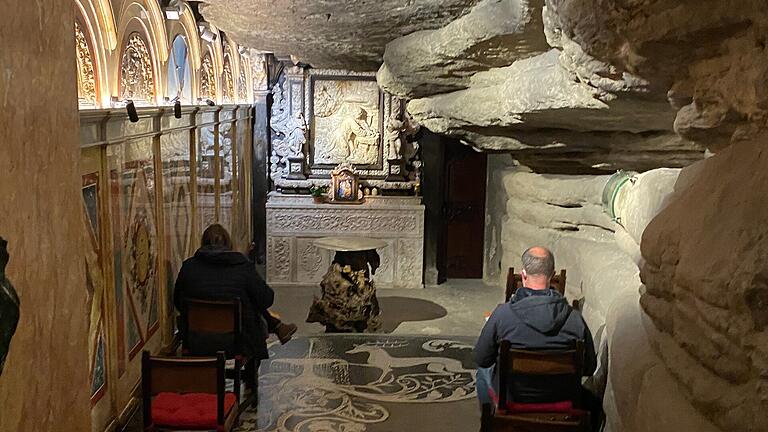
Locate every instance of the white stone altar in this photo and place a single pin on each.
(294, 222)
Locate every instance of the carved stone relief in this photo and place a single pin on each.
(346, 119)
(291, 218)
(409, 269)
(279, 257)
(289, 136)
(313, 262)
(86, 77)
(136, 73)
(207, 78)
(259, 74)
(385, 273)
(242, 83)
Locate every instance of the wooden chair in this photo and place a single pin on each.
(529, 362)
(217, 326)
(515, 281)
(186, 393)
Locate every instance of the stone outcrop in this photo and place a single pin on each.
(338, 34)
(706, 280)
(493, 34)
(641, 392)
(546, 103)
(711, 56)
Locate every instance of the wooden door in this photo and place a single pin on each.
(464, 212)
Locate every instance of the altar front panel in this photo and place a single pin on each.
(293, 222)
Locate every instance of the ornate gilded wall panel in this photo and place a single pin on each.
(86, 73)
(207, 78)
(137, 81)
(242, 83)
(228, 80)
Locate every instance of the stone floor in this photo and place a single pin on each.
(419, 370)
(454, 308)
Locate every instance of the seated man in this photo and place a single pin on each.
(216, 272)
(536, 317)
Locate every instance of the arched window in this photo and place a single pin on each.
(179, 74)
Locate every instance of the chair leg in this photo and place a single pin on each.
(486, 417)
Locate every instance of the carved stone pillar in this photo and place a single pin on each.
(260, 178)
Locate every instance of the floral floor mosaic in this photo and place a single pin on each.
(366, 382)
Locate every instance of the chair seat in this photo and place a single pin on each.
(189, 410)
(565, 407)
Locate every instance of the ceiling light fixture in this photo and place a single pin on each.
(206, 33)
(174, 10)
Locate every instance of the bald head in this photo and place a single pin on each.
(538, 266)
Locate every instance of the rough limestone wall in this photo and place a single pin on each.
(706, 275)
(44, 386)
(565, 213)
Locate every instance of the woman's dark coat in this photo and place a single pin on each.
(217, 274)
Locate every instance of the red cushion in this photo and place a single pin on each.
(560, 407)
(189, 410)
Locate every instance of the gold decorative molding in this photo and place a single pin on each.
(136, 72)
(207, 78)
(228, 85)
(86, 76)
(242, 85)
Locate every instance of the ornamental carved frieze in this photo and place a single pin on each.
(330, 220)
(279, 258)
(228, 80)
(136, 73)
(409, 266)
(242, 84)
(86, 75)
(207, 78)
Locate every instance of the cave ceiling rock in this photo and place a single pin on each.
(494, 33)
(537, 93)
(330, 34)
(712, 56)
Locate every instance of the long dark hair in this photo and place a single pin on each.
(216, 236)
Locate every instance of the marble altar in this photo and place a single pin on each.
(295, 223)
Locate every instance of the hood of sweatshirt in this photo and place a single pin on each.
(546, 311)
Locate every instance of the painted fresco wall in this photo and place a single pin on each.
(150, 188)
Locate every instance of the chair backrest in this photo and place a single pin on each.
(214, 316)
(537, 362)
(515, 281)
(212, 326)
(181, 375)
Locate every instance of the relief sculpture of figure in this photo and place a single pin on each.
(394, 138)
(297, 135)
(9, 307)
(359, 137)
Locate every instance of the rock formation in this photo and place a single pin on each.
(337, 34)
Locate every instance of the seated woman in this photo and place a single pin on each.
(216, 272)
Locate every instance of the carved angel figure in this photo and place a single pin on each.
(297, 135)
(395, 129)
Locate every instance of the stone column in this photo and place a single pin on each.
(260, 175)
(433, 155)
(44, 386)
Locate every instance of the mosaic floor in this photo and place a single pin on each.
(366, 382)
